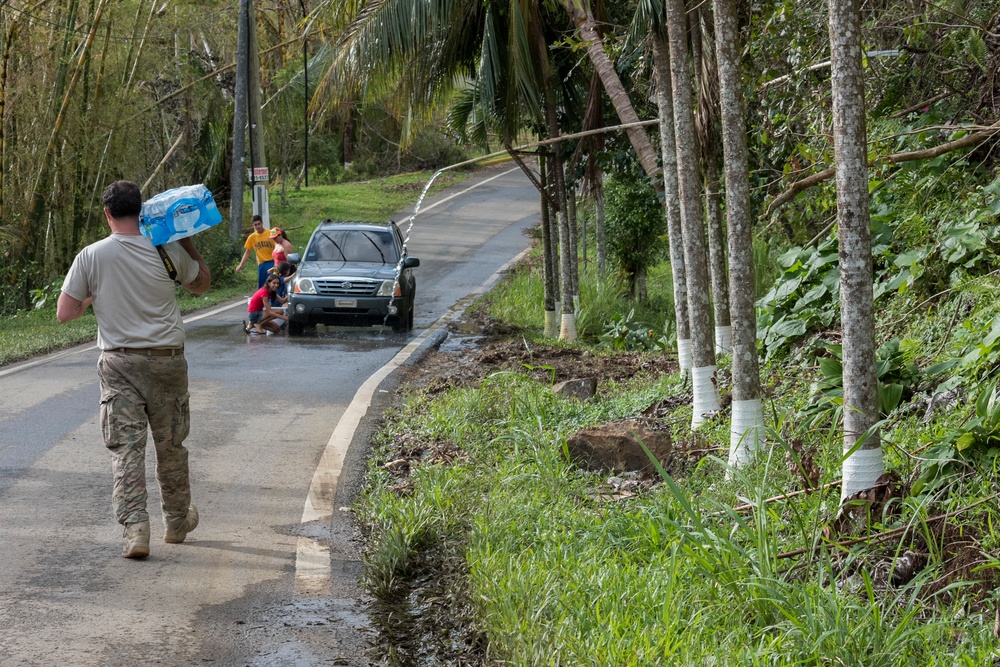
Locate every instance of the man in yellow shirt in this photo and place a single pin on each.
(261, 242)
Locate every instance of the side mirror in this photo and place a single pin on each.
(294, 258)
(411, 263)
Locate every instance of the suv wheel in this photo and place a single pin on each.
(295, 328)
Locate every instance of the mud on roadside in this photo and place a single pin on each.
(430, 618)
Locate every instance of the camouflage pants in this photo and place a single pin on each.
(139, 391)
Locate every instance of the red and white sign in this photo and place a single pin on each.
(258, 174)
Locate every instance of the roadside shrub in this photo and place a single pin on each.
(220, 252)
(634, 226)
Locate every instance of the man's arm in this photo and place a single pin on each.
(245, 255)
(69, 308)
(203, 280)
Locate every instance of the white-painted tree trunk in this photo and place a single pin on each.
(671, 195)
(706, 395)
(857, 315)
(549, 270)
(684, 353)
(747, 426)
(704, 384)
(724, 339)
(746, 431)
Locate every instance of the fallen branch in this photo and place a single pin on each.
(885, 535)
(926, 103)
(774, 499)
(895, 158)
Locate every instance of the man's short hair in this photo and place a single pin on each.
(122, 199)
(256, 218)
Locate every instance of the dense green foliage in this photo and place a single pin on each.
(634, 226)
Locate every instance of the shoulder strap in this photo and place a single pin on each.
(168, 264)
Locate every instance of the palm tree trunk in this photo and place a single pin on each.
(864, 465)
(746, 431)
(550, 280)
(585, 23)
(567, 325)
(717, 254)
(602, 249)
(704, 384)
(671, 194)
(574, 235)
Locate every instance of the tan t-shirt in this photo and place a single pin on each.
(135, 300)
(262, 244)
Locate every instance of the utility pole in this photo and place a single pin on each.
(258, 164)
(305, 103)
(237, 174)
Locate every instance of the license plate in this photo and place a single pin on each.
(345, 303)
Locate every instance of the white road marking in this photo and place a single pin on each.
(468, 189)
(65, 353)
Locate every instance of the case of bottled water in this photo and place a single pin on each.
(178, 213)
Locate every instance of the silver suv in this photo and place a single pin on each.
(347, 275)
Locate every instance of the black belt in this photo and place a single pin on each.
(150, 351)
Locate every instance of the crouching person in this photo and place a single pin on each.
(261, 315)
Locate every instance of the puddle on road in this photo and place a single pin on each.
(316, 631)
(460, 342)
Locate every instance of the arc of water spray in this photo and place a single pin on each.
(545, 142)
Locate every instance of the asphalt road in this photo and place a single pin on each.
(278, 439)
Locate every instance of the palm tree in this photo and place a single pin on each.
(704, 383)
(863, 463)
(420, 52)
(710, 141)
(746, 429)
(671, 190)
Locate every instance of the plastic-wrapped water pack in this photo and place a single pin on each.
(178, 213)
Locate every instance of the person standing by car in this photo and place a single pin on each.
(259, 242)
(282, 246)
(143, 372)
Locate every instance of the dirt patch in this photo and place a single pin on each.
(545, 362)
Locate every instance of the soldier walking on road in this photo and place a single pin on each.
(143, 372)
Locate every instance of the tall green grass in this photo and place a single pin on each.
(673, 577)
(519, 299)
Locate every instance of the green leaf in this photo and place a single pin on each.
(941, 367)
(810, 296)
(831, 369)
(992, 192)
(890, 396)
(987, 397)
(967, 440)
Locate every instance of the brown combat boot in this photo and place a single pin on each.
(136, 540)
(176, 532)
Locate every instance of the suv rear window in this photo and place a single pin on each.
(353, 245)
